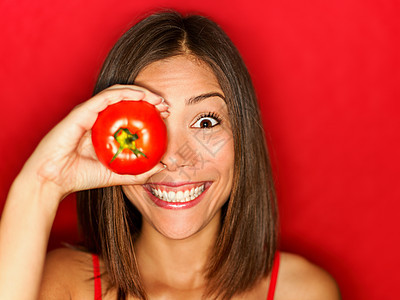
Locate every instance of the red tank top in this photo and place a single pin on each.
(97, 277)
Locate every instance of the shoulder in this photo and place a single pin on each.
(67, 274)
(298, 278)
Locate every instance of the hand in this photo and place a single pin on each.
(65, 158)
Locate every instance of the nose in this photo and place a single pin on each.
(180, 151)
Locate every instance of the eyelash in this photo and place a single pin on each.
(212, 115)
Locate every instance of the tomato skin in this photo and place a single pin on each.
(138, 117)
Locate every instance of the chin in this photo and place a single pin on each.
(179, 226)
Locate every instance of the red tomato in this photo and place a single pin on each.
(129, 137)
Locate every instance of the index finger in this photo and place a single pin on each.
(149, 96)
(85, 114)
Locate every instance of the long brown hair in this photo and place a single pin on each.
(246, 245)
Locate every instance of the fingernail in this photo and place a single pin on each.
(163, 102)
(165, 114)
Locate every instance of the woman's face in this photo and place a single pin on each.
(188, 195)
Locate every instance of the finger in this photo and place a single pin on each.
(85, 114)
(149, 96)
(163, 106)
(155, 170)
(165, 114)
(137, 179)
(113, 95)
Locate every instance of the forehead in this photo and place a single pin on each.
(184, 72)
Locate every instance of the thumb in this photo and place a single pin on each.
(142, 178)
(156, 169)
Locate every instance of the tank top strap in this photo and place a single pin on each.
(274, 276)
(97, 277)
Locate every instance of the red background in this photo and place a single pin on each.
(327, 74)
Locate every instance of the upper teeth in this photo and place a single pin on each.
(180, 196)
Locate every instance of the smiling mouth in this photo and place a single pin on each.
(180, 196)
(177, 193)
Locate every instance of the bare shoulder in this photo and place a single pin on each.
(300, 279)
(67, 275)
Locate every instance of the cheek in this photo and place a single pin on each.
(134, 194)
(216, 150)
(215, 145)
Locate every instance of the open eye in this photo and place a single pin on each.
(207, 121)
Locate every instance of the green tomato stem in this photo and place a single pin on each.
(126, 140)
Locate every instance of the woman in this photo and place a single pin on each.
(219, 241)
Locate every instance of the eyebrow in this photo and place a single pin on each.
(197, 99)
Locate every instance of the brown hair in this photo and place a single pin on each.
(246, 245)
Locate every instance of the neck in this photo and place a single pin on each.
(172, 262)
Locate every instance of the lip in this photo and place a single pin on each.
(176, 186)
